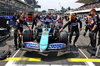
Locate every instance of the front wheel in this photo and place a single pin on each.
(27, 36)
(63, 37)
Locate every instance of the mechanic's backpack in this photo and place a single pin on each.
(4, 54)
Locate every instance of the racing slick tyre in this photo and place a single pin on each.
(39, 24)
(27, 36)
(52, 26)
(36, 32)
(57, 25)
(54, 33)
(63, 37)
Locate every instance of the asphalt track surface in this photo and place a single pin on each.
(56, 59)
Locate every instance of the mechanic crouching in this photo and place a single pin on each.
(19, 29)
(74, 27)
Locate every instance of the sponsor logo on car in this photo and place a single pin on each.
(31, 45)
(57, 46)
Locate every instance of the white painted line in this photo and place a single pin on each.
(56, 65)
(43, 65)
(89, 63)
(9, 63)
(16, 53)
(28, 65)
(83, 53)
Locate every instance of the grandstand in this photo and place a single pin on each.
(86, 1)
(88, 5)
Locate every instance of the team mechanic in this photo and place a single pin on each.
(74, 27)
(96, 27)
(86, 28)
(92, 20)
(19, 29)
(48, 16)
(35, 20)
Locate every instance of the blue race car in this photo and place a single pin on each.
(46, 38)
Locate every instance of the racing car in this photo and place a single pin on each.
(46, 38)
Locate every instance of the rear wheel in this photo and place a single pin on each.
(39, 24)
(38, 39)
(52, 26)
(36, 33)
(57, 25)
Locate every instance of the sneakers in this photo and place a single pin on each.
(74, 44)
(19, 47)
(98, 44)
(15, 48)
(70, 44)
(84, 34)
(93, 48)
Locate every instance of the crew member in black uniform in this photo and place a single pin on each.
(14, 18)
(47, 17)
(50, 16)
(74, 27)
(86, 28)
(35, 20)
(18, 15)
(92, 21)
(96, 27)
(19, 29)
(65, 16)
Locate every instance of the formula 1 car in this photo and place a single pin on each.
(46, 38)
